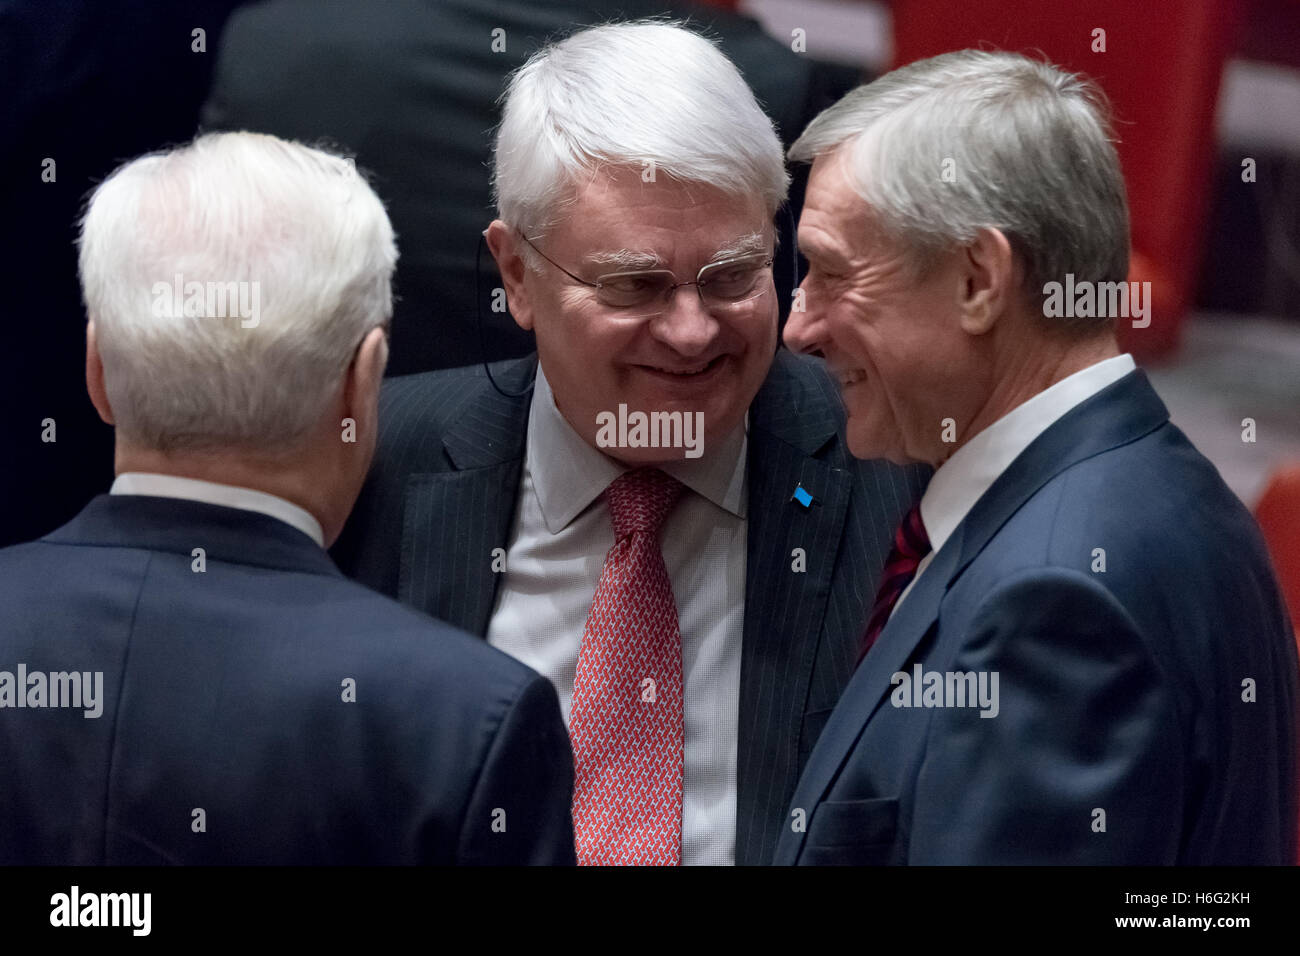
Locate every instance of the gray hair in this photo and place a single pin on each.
(232, 218)
(1030, 147)
(630, 94)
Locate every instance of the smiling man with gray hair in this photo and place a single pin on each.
(697, 601)
(257, 707)
(1073, 555)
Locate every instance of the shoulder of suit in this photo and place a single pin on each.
(437, 382)
(807, 369)
(440, 399)
(406, 646)
(1154, 504)
(1159, 481)
(16, 554)
(800, 384)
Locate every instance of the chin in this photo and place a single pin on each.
(867, 445)
(646, 457)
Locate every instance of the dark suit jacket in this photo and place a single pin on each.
(442, 496)
(224, 691)
(1121, 690)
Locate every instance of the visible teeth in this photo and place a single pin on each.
(675, 371)
(853, 377)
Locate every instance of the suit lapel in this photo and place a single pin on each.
(784, 608)
(869, 687)
(453, 520)
(1120, 413)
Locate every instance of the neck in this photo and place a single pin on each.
(1027, 371)
(289, 478)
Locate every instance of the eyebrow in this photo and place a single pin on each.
(816, 251)
(625, 259)
(748, 245)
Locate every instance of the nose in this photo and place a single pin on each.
(805, 328)
(686, 325)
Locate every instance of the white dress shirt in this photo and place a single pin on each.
(561, 534)
(962, 480)
(231, 496)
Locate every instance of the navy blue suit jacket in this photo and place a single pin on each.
(1156, 698)
(442, 495)
(223, 691)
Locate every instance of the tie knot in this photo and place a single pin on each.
(912, 539)
(640, 500)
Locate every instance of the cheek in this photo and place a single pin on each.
(873, 403)
(574, 350)
(822, 297)
(760, 334)
(755, 339)
(859, 341)
(572, 336)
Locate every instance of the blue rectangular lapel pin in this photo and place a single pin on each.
(802, 496)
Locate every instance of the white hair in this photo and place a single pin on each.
(295, 229)
(630, 94)
(945, 146)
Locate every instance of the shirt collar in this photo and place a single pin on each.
(568, 474)
(231, 496)
(962, 480)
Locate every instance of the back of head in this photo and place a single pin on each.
(230, 282)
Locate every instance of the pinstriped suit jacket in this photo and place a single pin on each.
(445, 484)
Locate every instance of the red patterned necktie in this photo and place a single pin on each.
(626, 721)
(911, 544)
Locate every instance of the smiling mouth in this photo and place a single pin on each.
(687, 371)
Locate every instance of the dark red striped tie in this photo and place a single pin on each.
(911, 544)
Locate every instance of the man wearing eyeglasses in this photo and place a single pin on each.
(698, 614)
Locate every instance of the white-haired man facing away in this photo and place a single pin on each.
(654, 512)
(185, 676)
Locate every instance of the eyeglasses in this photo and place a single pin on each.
(724, 286)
